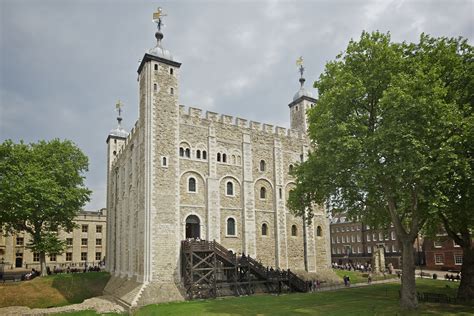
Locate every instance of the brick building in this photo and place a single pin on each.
(442, 253)
(354, 242)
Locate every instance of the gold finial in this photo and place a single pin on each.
(118, 107)
(299, 61)
(157, 17)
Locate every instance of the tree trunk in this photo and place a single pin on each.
(305, 244)
(466, 288)
(408, 298)
(44, 272)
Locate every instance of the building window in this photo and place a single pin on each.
(263, 193)
(171, 71)
(264, 229)
(337, 229)
(20, 241)
(224, 158)
(85, 228)
(439, 258)
(352, 238)
(156, 66)
(338, 251)
(374, 237)
(343, 239)
(198, 154)
(290, 169)
(368, 237)
(262, 165)
(98, 256)
(83, 256)
(68, 256)
(294, 231)
(187, 153)
(98, 242)
(204, 155)
(394, 249)
(338, 240)
(191, 185)
(358, 238)
(36, 257)
(155, 87)
(164, 162)
(342, 229)
(332, 240)
(319, 231)
(358, 228)
(171, 91)
(458, 259)
(230, 188)
(392, 235)
(219, 157)
(280, 193)
(230, 226)
(369, 249)
(68, 241)
(84, 241)
(181, 151)
(52, 257)
(380, 236)
(98, 229)
(437, 244)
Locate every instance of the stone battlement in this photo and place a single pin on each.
(192, 112)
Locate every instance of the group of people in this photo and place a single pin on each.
(314, 285)
(451, 277)
(367, 267)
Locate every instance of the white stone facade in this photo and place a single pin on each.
(178, 162)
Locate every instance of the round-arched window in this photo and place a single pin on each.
(191, 185)
(231, 226)
(319, 231)
(263, 193)
(264, 229)
(294, 230)
(230, 188)
(262, 165)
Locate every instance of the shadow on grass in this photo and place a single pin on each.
(76, 287)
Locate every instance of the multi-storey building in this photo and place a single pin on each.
(85, 245)
(355, 242)
(442, 253)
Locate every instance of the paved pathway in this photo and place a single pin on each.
(101, 304)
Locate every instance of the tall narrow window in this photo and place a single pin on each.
(155, 87)
(181, 151)
(294, 230)
(219, 157)
(290, 169)
(156, 66)
(164, 162)
(264, 229)
(198, 154)
(230, 188)
(204, 154)
(187, 153)
(231, 226)
(262, 165)
(192, 185)
(319, 231)
(171, 71)
(263, 193)
(280, 193)
(171, 91)
(224, 158)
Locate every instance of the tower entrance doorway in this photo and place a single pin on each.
(193, 227)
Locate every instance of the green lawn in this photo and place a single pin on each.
(53, 290)
(380, 299)
(359, 277)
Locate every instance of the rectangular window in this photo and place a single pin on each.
(369, 249)
(98, 242)
(394, 249)
(343, 239)
(98, 229)
(342, 228)
(333, 251)
(352, 238)
(392, 234)
(374, 237)
(68, 256)
(455, 244)
(458, 259)
(380, 236)
(20, 241)
(358, 249)
(332, 240)
(83, 256)
(36, 257)
(352, 228)
(358, 238)
(84, 241)
(337, 229)
(52, 257)
(358, 228)
(98, 256)
(338, 239)
(338, 251)
(437, 244)
(85, 228)
(439, 258)
(368, 237)
(69, 241)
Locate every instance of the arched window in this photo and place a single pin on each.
(156, 66)
(191, 185)
(224, 158)
(230, 188)
(294, 230)
(198, 154)
(262, 165)
(319, 231)
(218, 156)
(181, 151)
(290, 168)
(233, 159)
(231, 226)
(171, 91)
(171, 71)
(280, 193)
(155, 87)
(164, 162)
(187, 152)
(204, 154)
(263, 193)
(264, 229)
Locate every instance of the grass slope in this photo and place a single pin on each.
(53, 290)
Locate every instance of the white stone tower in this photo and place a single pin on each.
(302, 101)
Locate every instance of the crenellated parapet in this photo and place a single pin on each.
(192, 115)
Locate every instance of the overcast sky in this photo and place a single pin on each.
(64, 64)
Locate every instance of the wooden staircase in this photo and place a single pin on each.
(211, 270)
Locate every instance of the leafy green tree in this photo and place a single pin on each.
(41, 191)
(379, 131)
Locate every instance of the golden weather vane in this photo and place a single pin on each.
(157, 17)
(299, 63)
(118, 107)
